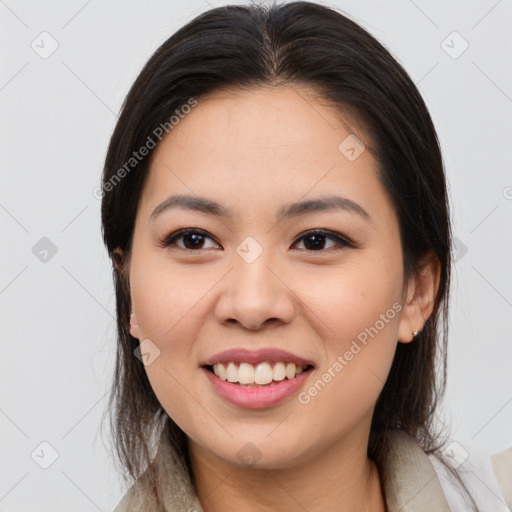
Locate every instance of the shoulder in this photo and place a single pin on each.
(138, 498)
(165, 485)
(502, 467)
(450, 479)
(475, 470)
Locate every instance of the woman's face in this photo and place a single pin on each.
(250, 279)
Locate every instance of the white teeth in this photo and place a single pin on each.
(290, 370)
(246, 373)
(222, 374)
(261, 374)
(232, 373)
(279, 371)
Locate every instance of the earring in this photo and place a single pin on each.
(415, 334)
(134, 328)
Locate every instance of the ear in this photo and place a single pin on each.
(117, 258)
(420, 297)
(119, 263)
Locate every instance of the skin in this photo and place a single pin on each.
(254, 151)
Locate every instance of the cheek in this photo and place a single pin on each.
(167, 315)
(167, 300)
(347, 300)
(170, 305)
(357, 365)
(357, 309)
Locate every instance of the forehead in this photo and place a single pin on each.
(255, 119)
(262, 145)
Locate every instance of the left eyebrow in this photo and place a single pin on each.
(210, 207)
(328, 203)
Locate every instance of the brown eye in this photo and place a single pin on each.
(193, 239)
(316, 240)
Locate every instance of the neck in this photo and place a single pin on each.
(341, 477)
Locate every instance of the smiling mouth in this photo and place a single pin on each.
(264, 374)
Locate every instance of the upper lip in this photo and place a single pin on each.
(243, 355)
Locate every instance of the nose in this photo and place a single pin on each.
(255, 294)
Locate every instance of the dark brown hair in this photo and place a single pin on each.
(298, 44)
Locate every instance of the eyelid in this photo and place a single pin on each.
(176, 235)
(333, 235)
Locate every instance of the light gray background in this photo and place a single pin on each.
(57, 317)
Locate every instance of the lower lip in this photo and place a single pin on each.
(256, 397)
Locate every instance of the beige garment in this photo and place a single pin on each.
(409, 480)
(502, 466)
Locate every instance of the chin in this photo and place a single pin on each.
(263, 454)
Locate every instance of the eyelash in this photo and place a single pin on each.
(341, 241)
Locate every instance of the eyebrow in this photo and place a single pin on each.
(210, 207)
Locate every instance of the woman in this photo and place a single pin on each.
(274, 203)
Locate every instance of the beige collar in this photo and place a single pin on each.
(409, 480)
